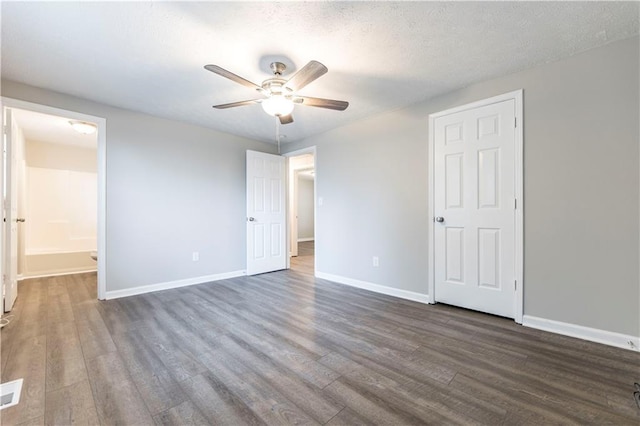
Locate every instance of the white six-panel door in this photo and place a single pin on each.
(266, 214)
(474, 208)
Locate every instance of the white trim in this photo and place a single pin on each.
(309, 150)
(517, 96)
(116, 294)
(303, 240)
(292, 203)
(14, 387)
(376, 288)
(431, 261)
(610, 338)
(102, 175)
(57, 274)
(519, 187)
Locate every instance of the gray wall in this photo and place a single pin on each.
(172, 188)
(305, 208)
(581, 174)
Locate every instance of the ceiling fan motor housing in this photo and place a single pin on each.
(276, 86)
(277, 67)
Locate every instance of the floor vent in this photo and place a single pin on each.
(10, 393)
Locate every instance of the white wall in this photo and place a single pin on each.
(305, 208)
(59, 202)
(581, 177)
(172, 188)
(61, 207)
(61, 199)
(61, 157)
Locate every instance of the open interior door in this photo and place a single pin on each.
(10, 204)
(266, 214)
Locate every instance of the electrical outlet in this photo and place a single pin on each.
(195, 256)
(376, 261)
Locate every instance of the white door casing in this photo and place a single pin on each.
(266, 213)
(101, 124)
(10, 279)
(300, 159)
(293, 213)
(476, 185)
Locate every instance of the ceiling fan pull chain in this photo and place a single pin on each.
(278, 133)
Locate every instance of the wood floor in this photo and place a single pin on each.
(285, 348)
(304, 262)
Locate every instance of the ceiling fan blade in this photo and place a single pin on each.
(231, 76)
(324, 103)
(306, 75)
(286, 119)
(237, 104)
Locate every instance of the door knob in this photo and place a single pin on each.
(439, 219)
(20, 219)
(252, 219)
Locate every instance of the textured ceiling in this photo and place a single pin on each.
(149, 57)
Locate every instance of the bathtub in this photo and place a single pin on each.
(56, 263)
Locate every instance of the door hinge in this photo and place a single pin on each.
(515, 121)
(515, 284)
(515, 203)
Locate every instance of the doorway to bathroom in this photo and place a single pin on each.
(53, 193)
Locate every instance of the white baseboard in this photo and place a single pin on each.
(303, 240)
(376, 288)
(56, 274)
(115, 294)
(586, 333)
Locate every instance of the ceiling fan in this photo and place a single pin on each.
(279, 95)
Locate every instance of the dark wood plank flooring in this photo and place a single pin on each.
(286, 348)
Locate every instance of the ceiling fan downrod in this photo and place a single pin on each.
(277, 68)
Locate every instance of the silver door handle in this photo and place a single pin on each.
(439, 219)
(252, 219)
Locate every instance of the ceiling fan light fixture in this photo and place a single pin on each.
(277, 105)
(83, 127)
(281, 94)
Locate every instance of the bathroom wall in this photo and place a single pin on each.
(61, 208)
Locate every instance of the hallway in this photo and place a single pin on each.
(305, 261)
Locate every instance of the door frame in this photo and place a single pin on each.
(101, 123)
(517, 96)
(10, 210)
(309, 150)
